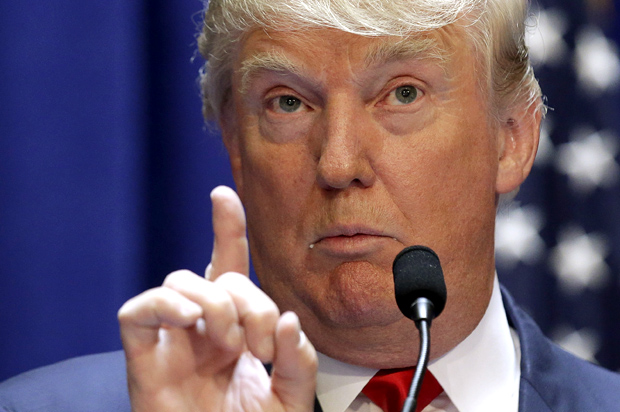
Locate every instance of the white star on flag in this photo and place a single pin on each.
(545, 38)
(579, 260)
(589, 162)
(575, 183)
(596, 61)
(517, 236)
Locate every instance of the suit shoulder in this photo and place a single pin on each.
(566, 383)
(88, 383)
(554, 378)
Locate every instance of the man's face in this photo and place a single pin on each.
(345, 150)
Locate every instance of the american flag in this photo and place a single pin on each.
(558, 244)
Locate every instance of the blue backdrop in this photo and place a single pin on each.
(106, 168)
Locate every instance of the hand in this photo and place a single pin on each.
(197, 344)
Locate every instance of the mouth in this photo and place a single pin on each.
(351, 241)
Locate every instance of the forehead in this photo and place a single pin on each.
(293, 52)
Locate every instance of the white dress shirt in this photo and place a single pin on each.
(481, 374)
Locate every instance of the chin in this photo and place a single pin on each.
(362, 297)
(348, 295)
(360, 314)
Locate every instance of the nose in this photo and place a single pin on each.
(348, 147)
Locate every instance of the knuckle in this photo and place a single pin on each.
(221, 307)
(158, 297)
(177, 278)
(131, 308)
(266, 314)
(123, 314)
(232, 279)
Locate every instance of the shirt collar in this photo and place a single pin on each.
(338, 383)
(488, 358)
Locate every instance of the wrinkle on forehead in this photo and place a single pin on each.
(382, 51)
(406, 48)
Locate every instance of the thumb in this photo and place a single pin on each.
(293, 377)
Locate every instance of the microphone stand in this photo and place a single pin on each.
(424, 314)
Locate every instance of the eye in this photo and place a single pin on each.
(288, 104)
(403, 95)
(282, 105)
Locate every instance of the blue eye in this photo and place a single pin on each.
(289, 104)
(406, 94)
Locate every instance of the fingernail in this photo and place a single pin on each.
(190, 310)
(302, 338)
(294, 316)
(300, 333)
(294, 319)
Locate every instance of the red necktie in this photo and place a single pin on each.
(389, 388)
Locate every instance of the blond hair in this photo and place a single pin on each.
(496, 30)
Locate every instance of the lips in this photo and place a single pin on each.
(351, 240)
(350, 231)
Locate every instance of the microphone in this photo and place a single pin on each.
(421, 296)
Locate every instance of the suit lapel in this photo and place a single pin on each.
(532, 357)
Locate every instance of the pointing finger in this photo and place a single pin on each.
(230, 245)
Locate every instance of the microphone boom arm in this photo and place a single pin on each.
(423, 309)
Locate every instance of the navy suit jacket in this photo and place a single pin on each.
(551, 380)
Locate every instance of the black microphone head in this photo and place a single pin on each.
(417, 273)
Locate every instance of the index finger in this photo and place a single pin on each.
(230, 244)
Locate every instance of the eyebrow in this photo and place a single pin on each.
(405, 49)
(382, 53)
(273, 61)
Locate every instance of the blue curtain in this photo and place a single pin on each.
(106, 168)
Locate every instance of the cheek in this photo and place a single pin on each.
(457, 212)
(274, 172)
(277, 198)
(444, 181)
(277, 182)
(404, 122)
(285, 128)
(274, 158)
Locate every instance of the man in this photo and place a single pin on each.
(354, 129)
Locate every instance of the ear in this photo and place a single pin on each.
(518, 144)
(232, 141)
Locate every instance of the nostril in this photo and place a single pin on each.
(355, 175)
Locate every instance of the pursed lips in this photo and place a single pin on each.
(349, 234)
